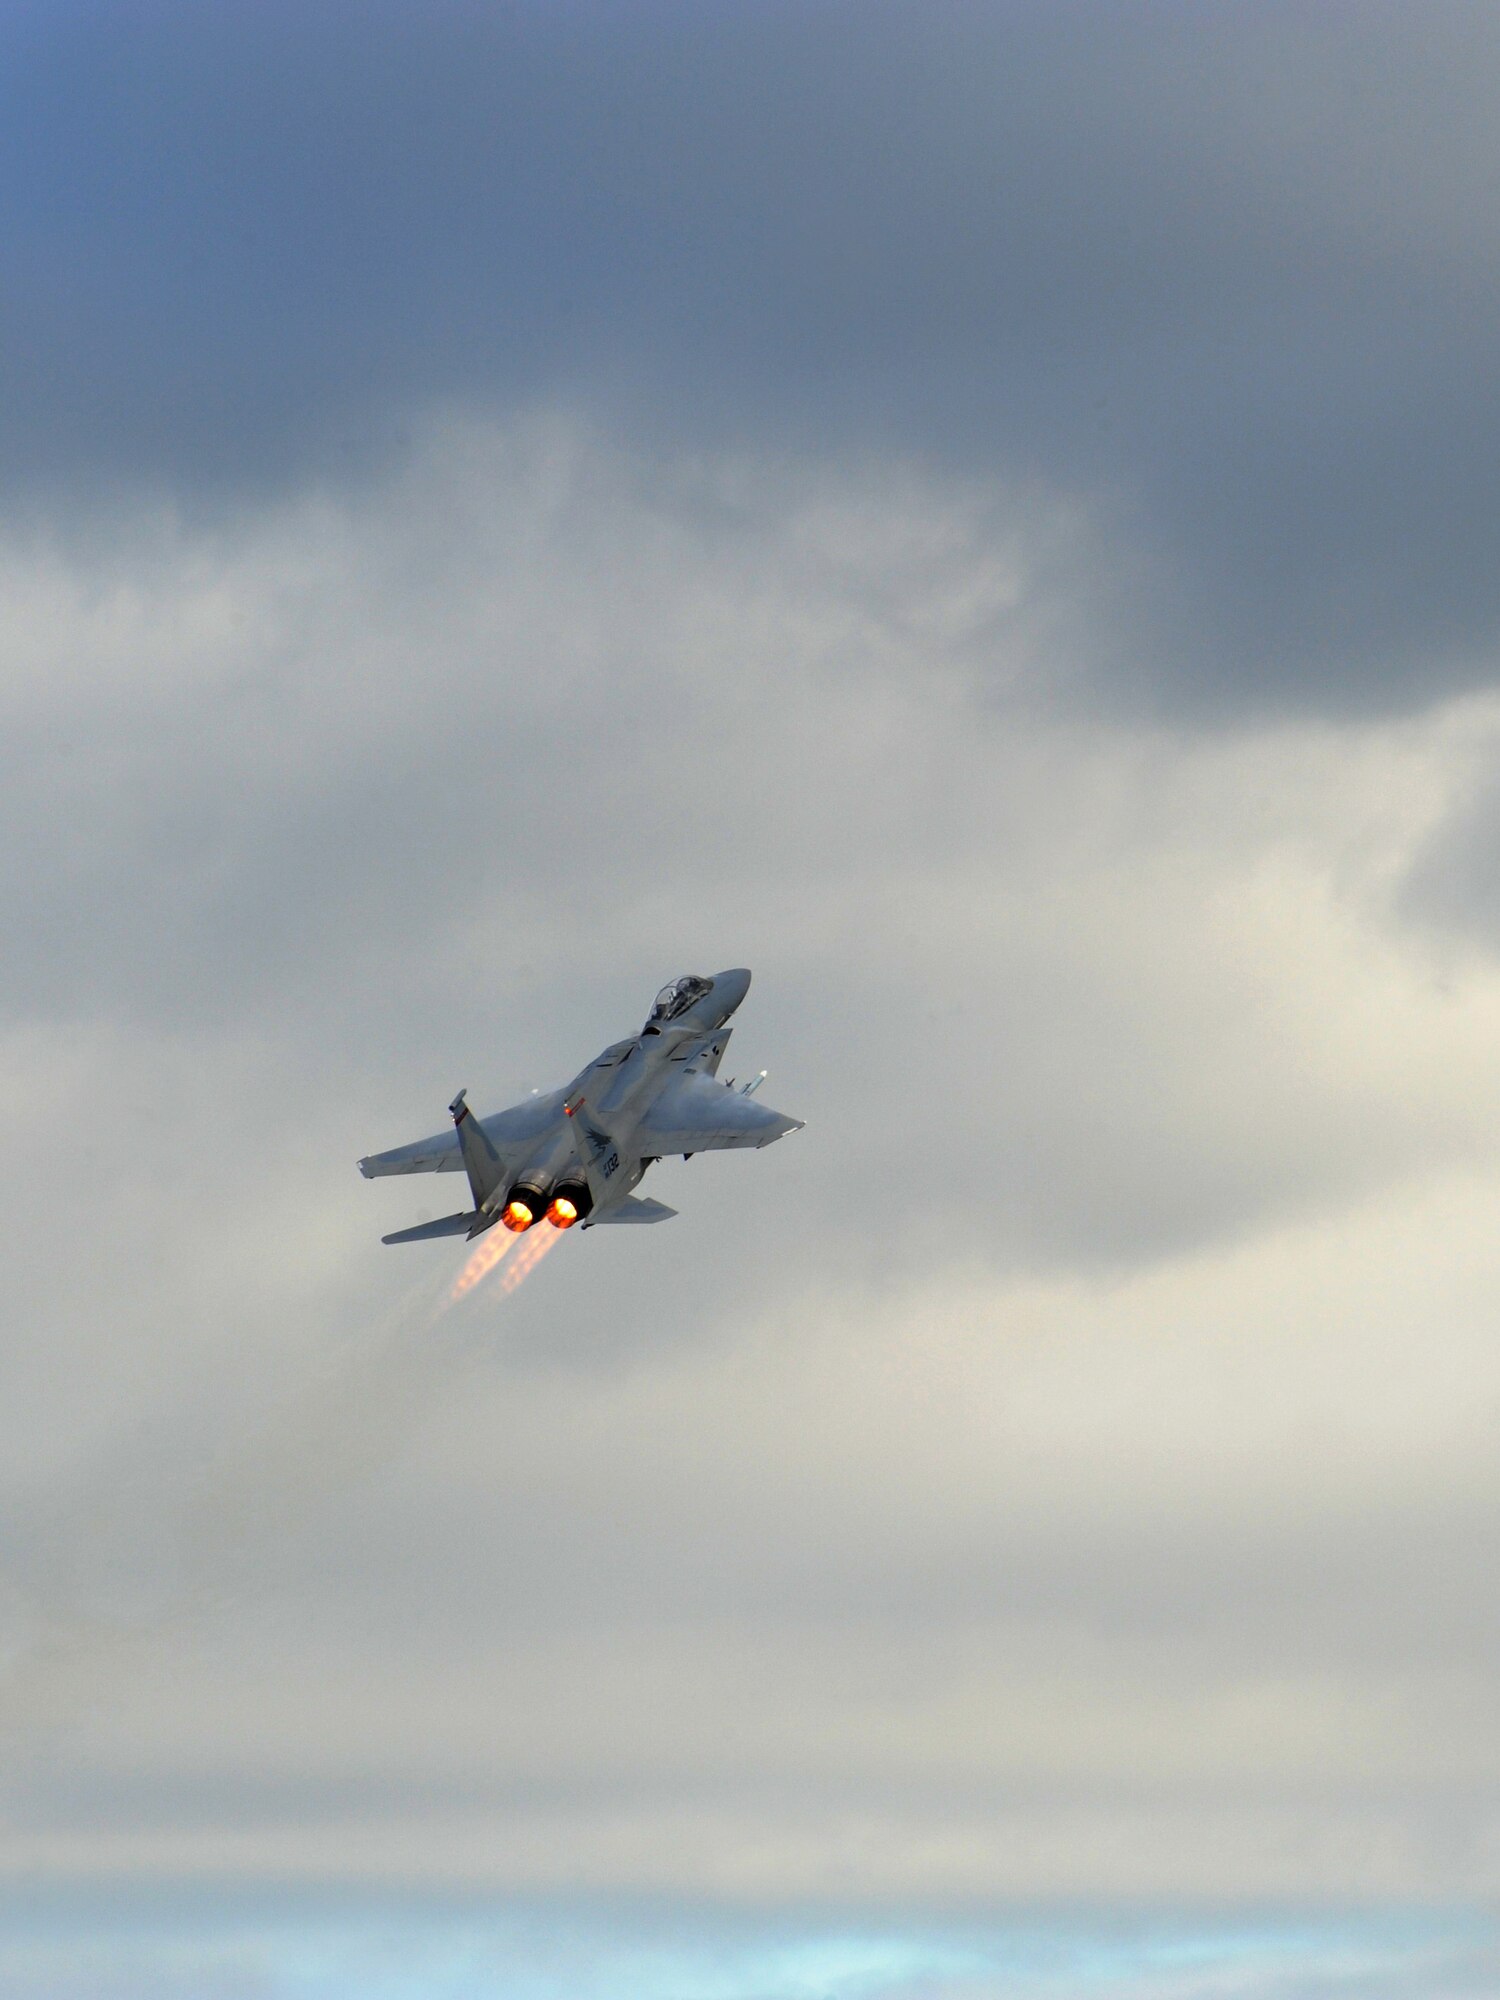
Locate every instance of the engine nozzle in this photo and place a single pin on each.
(524, 1208)
(570, 1203)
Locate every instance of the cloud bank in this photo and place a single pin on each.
(983, 520)
(1065, 1470)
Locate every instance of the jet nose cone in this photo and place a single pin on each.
(730, 989)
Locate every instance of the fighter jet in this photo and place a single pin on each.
(574, 1155)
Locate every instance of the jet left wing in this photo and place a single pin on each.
(511, 1133)
(695, 1113)
(437, 1155)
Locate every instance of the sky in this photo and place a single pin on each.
(988, 517)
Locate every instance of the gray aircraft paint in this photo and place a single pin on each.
(656, 1093)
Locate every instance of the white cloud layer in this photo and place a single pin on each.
(1065, 1470)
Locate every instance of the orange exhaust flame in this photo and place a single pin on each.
(562, 1214)
(533, 1250)
(486, 1255)
(492, 1249)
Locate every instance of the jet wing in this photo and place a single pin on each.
(695, 1113)
(511, 1133)
(437, 1155)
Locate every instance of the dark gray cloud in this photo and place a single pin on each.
(1226, 275)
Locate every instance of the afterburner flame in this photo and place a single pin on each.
(486, 1255)
(531, 1253)
(493, 1248)
(517, 1216)
(562, 1214)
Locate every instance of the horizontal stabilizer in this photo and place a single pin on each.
(446, 1225)
(634, 1208)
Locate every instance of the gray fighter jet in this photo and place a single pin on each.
(576, 1154)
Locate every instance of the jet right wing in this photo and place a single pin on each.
(695, 1113)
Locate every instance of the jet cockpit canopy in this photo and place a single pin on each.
(677, 998)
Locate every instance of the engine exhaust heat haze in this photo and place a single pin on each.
(487, 1253)
(493, 1251)
(529, 1254)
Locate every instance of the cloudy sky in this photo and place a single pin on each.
(989, 516)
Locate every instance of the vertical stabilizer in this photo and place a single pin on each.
(609, 1172)
(482, 1163)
